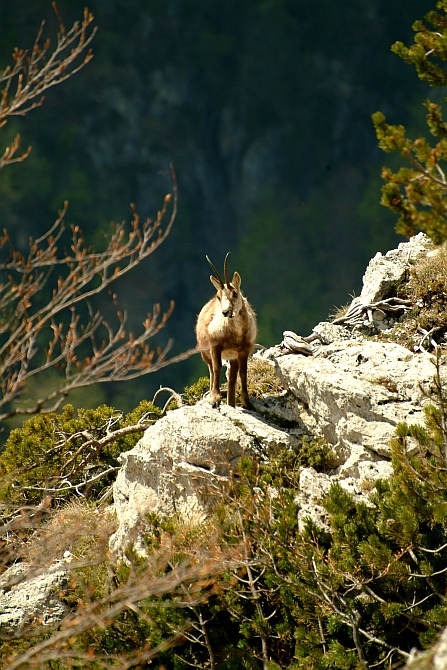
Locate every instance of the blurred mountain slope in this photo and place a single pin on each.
(264, 108)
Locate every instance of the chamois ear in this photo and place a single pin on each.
(215, 282)
(236, 281)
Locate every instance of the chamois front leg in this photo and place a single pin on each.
(210, 368)
(232, 378)
(215, 369)
(245, 400)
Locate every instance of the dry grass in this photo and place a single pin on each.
(262, 379)
(338, 312)
(79, 527)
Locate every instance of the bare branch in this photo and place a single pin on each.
(34, 72)
(109, 354)
(173, 396)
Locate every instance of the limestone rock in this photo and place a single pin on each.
(25, 596)
(378, 307)
(355, 394)
(434, 658)
(440, 655)
(282, 409)
(384, 272)
(314, 486)
(183, 459)
(331, 332)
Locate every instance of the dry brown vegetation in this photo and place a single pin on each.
(262, 379)
(36, 70)
(48, 316)
(80, 527)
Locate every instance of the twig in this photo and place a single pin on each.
(37, 70)
(70, 486)
(24, 322)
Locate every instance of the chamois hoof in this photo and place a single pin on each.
(215, 404)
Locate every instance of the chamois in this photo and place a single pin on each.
(226, 329)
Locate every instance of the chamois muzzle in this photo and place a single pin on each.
(228, 313)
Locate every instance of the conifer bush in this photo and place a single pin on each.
(366, 592)
(193, 393)
(417, 192)
(58, 454)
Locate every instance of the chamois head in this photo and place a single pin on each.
(228, 294)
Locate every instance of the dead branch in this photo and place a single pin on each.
(173, 396)
(254, 593)
(200, 637)
(78, 460)
(355, 314)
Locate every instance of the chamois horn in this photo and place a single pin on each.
(226, 270)
(215, 271)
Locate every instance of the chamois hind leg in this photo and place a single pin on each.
(245, 400)
(232, 378)
(215, 368)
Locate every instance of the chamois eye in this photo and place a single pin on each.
(234, 294)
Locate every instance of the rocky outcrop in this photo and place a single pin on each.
(26, 596)
(377, 308)
(351, 391)
(354, 391)
(385, 271)
(184, 458)
(355, 395)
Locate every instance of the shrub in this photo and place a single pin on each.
(58, 454)
(192, 394)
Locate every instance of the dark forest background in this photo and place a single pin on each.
(264, 108)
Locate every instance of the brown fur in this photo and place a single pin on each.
(226, 329)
